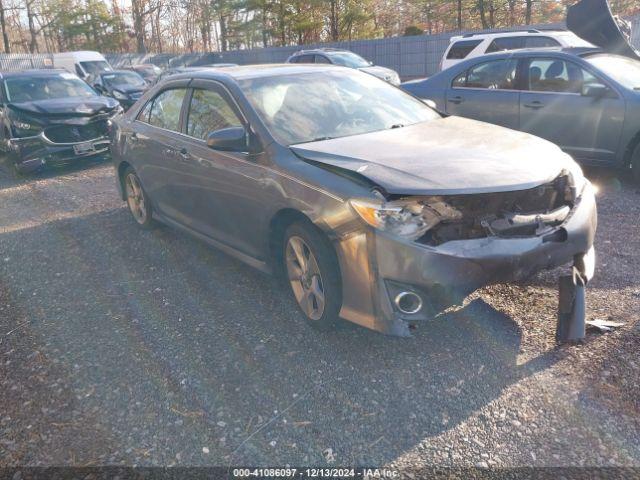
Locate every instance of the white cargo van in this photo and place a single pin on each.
(86, 64)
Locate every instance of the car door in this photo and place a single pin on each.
(224, 189)
(155, 147)
(555, 105)
(487, 92)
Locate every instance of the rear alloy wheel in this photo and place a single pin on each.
(137, 200)
(313, 275)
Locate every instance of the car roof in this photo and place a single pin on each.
(321, 50)
(509, 33)
(116, 70)
(526, 52)
(40, 72)
(242, 72)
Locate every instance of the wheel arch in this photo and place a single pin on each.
(628, 153)
(277, 227)
(122, 167)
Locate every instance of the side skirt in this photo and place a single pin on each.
(249, 260)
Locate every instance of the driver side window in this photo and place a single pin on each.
(209, 111)
(559, 76)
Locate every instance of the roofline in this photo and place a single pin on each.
(507, 32)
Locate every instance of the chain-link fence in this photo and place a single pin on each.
(25, 61)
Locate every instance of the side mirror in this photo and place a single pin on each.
(596, 90)
(98, 88)
(232, 139)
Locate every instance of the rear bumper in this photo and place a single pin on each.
(34, 153)
(444, 275)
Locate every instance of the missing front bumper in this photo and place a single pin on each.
(447, 273)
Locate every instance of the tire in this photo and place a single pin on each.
(635, 164)
(10, 167)
(137, 200)
(316, 288)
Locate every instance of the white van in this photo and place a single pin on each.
(86, 64)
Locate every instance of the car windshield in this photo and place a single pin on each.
(96, 67)
(331, 104)
(348, 59)
(30, 89)
(622, 69)
(123, 79)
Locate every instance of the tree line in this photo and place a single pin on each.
(177, 26)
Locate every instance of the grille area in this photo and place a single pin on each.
(76, 133)
(507, 214)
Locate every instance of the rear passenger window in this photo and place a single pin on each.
(540, 42)
(165, 111)
(462, 48)
(494, 75)
(208, 112)
(506, 43)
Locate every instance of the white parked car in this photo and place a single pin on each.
(472, 45)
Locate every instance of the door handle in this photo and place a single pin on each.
(184, 154)
(457, 99)
(534, 105)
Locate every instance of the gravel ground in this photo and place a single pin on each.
(121, 346)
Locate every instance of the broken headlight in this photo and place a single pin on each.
(575, 182)
(25, 129)
(406, 218)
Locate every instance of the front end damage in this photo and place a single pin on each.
(58, 140)
(471, 241)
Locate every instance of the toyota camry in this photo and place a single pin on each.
(374, 207)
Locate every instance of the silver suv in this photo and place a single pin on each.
(345, 58)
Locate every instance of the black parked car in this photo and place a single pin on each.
(123, 85)
(148, 71)
(51, 117)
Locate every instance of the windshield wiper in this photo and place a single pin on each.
(319, 139)
(397, 125)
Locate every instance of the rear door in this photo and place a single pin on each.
(553, 107)
(155, 145)
(486, 92)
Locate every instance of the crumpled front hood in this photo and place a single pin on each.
(74, 106)
(593, 21)
(447, 156)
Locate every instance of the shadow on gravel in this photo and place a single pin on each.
(165, 346)
(6, 181)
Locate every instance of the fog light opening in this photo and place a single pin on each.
(408, 303)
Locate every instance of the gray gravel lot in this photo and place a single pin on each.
(122, 346)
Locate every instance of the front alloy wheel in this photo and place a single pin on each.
(313, 274)
(305, 278)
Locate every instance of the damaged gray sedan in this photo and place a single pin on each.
(373, 206)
